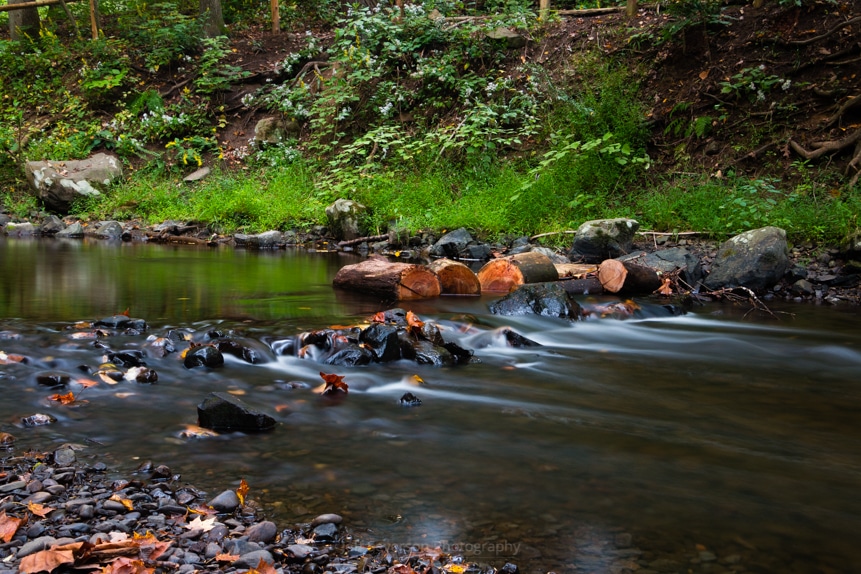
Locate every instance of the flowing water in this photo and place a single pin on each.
(708, 433)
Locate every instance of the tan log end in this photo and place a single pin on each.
(455, 278)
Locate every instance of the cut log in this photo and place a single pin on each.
(574, 270)
(627, 278)
(402, 281)
(586, 286)
(455, 278)
(506, 273)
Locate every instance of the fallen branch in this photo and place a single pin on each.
(729, 293)
(358, 240)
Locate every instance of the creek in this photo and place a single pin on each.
(712, 433)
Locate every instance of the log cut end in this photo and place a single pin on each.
(418, 282)
(456, 278)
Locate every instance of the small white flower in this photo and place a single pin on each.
(760, 95)
(785, 85)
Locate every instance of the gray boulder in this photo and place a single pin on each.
(343, 217)
(755, 259)
(273, 130)
(60, 183)
(266, 240)
(25, 229)
(74, 230)
(51, 225)
(602, 239)
(451, 244)
(547, 299)
(224, 412)
(109, 230)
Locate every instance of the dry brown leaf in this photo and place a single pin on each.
(86, 383)
(125, 565)
(704, 74)
(46, 560)
(263, 568)
(226, 557)
(242, 491)
(334, 383)
(612, 274)
(8, 526)
(67, 399)
(666, 288)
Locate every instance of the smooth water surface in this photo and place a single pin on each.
(736, 434)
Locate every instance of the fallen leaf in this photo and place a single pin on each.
(126, 565)
(704, 74)
(380, 317)
(67, 399)
(263, 567)
(8, 526)
(334, 383)
(226, 557)
(39, 509)
(87, 383)
(612, 274)
(665, 288)
(124, 501)
(204, 525)
(413, 321)
(242, 491)
(45, 561)
(7, 359)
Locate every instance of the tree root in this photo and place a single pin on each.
(822, 148)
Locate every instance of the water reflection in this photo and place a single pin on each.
(703, 429)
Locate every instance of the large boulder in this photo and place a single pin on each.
(548, 299)
(602, 239)
(343, 217)
(459, 244)
(755, 259)
(60, 183)
(224, 412)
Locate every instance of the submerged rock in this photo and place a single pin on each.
(224, 412)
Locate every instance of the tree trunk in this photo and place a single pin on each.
(626, 278)
(213, 23)
(455, 277)
(402, 281)
(631, 8)
(505, 274)
(23, 23)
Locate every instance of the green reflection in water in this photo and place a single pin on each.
(61, 280)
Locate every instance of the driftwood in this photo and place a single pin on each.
(455, 278)
(358, 240)
(401, 281)
(186, 239)
(505, 274)
(574, 270)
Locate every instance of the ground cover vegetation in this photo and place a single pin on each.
(693, 115)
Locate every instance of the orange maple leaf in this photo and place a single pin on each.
(242, 490)
(413, 321)
(226, 557)
(66, 399)
(379, 318)
(334, 383)
(124, 501)
(262, 567)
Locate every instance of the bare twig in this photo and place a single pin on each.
(833, 30)
(359, 240)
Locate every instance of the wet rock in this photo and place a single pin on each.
(141, 375)
(509, 568)
(299, 551)
(60, 183)
(64, 456)
(424, 352)
(602, 239)
(547, 299)
(38, 420)
(755, 259)
(73, 230)
(328, 518)
(37, 545)
(13, 229)
(410, 400)
(344, 219)
(802, 287)
(246, 349)
(266, 240)
(53, 378)
(203, 356)
(224, 412)
(109, 230)
(127, 358)
(451, 244)
(326, 532)
(51, 225)
(252, 559)
(383, 341)
(262, 532)
(121, 322)
(350, 356)
(227, 501)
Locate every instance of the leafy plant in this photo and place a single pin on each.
(753, 83)
(213, 73)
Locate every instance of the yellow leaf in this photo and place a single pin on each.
(39, 509)
(242, 491)
(124, 501)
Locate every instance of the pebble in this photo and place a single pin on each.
(262, 532)
(326, 519)
(227, 501)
